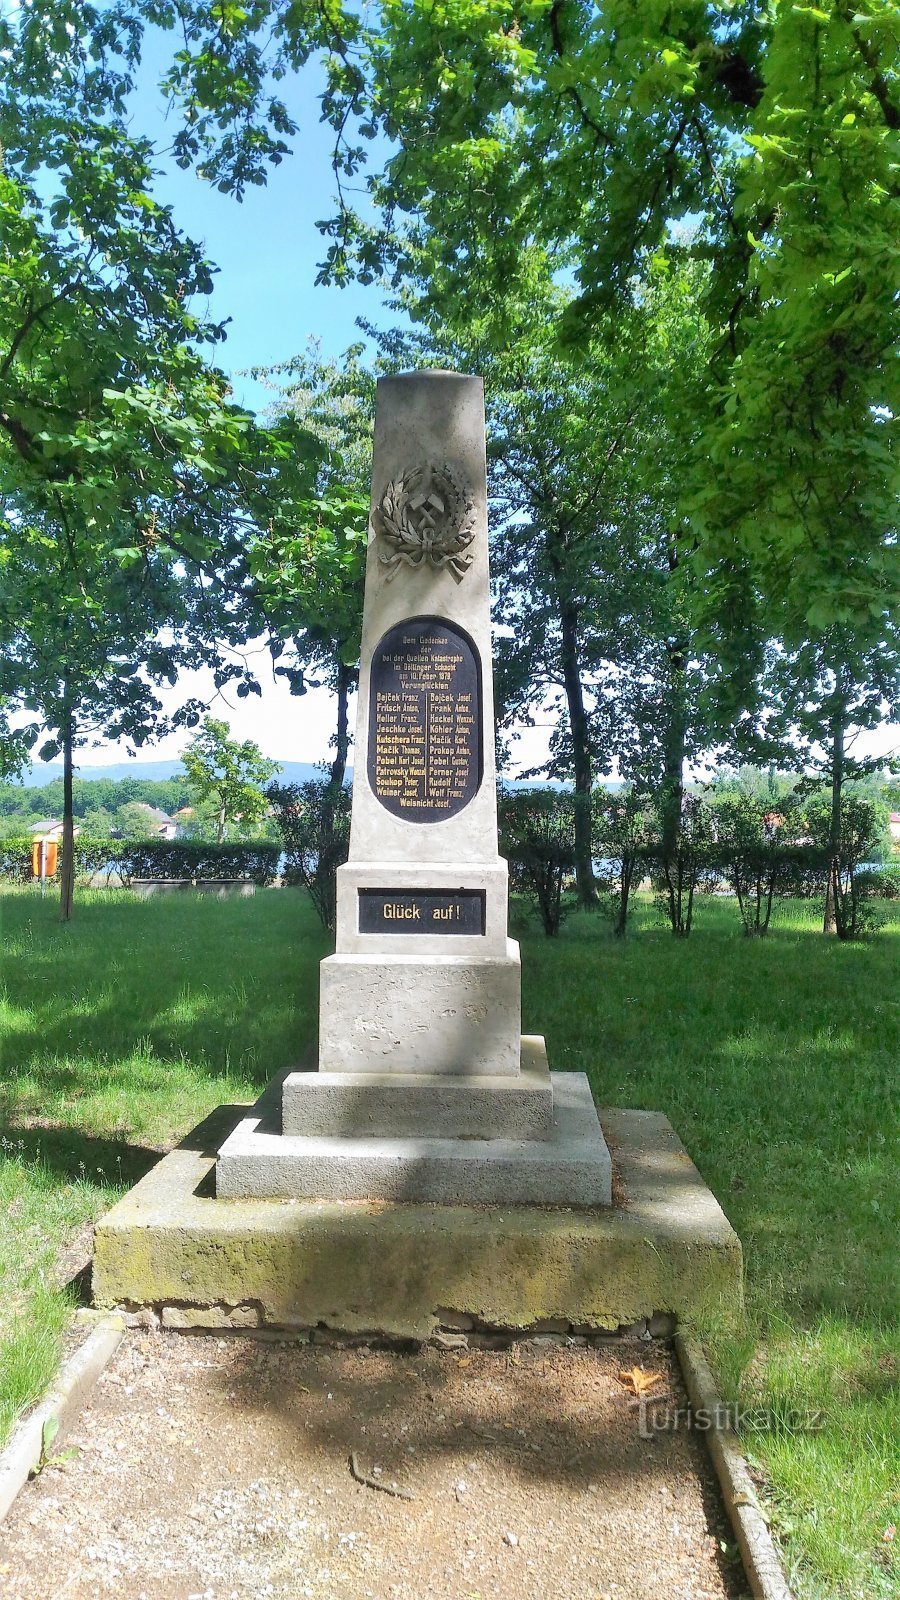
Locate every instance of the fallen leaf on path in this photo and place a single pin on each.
(637, 1381)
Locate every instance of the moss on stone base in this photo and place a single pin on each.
(393, 1269)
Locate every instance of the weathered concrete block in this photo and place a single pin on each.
(570, 1165)
(436, 1105)
(388, 1267)
(407, 1013)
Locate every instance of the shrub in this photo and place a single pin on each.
(756, 866)
(314, 821)
(97, 855)
(681, 867)
(860, 825)
(157, 859)
(623, 833)
(882, 883)
(537, 836)
(15, 858)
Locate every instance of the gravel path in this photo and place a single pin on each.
(219, 1469)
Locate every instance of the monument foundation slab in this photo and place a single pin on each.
(398, 1269)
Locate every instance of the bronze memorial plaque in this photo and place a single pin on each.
(421, 911)
(425, 757)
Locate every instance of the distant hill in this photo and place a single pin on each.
(152, 771)
(293, 772)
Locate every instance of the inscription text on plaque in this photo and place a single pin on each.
(425, 756)
(421, 911)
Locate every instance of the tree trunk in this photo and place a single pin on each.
(220, 824)
(675, 745)
(67, 860)
(829, 924)
(675, 737)
(581, 756)
(345, 679)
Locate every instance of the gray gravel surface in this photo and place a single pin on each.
(220, 1468)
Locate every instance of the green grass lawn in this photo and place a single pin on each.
(776, 1061)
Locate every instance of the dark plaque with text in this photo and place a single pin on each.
(421, 911)
(425, 757)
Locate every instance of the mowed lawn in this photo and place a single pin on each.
(776, 1060)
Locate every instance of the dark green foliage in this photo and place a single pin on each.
(747, 831)
(623, 833)
(882, 884)
(860, 825)
(15, 858)
(682, 862)
(177, 858)
(314, 821)
(537, 836)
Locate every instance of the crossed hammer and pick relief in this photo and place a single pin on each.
(426, 515)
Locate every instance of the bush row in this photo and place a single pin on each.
(153, 859)
(735, 846)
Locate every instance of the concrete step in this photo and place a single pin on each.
(424, 1105)
(570, 1166)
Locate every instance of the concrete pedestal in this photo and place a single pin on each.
(441, 1105)
(568, 1165)
(664, 1246)
(415, 1013)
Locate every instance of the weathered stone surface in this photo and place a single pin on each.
(439, 1105)
(411, 1013)
(569, 1166)
(391, 1268)
(427, 420)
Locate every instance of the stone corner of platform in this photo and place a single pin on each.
(390, 1267)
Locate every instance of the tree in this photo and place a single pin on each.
(310, 562)
(80, 643)
(230, 774)
(819, 698)
(594, 130)
(133, 821)
(122, 522)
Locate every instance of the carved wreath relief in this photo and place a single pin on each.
(426, 515)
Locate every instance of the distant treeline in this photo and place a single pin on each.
(92, 796)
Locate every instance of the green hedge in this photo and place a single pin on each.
(175, 858)
(152, 858)
(15, 858)
(883, 882)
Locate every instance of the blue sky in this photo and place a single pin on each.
(267, 247)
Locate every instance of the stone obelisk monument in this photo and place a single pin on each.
(425, 1088)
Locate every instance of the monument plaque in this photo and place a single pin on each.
(425, 747)
(459, 911)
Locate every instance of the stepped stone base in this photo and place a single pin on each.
(569, 1165)
(430, 1105)
(664, 1246)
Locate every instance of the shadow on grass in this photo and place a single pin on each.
(221, 986)
(72, 1155)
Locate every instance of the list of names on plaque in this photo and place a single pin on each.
(424, 720)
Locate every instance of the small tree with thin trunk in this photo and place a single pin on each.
(849, 890)
(229, 775)
(623, 832)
